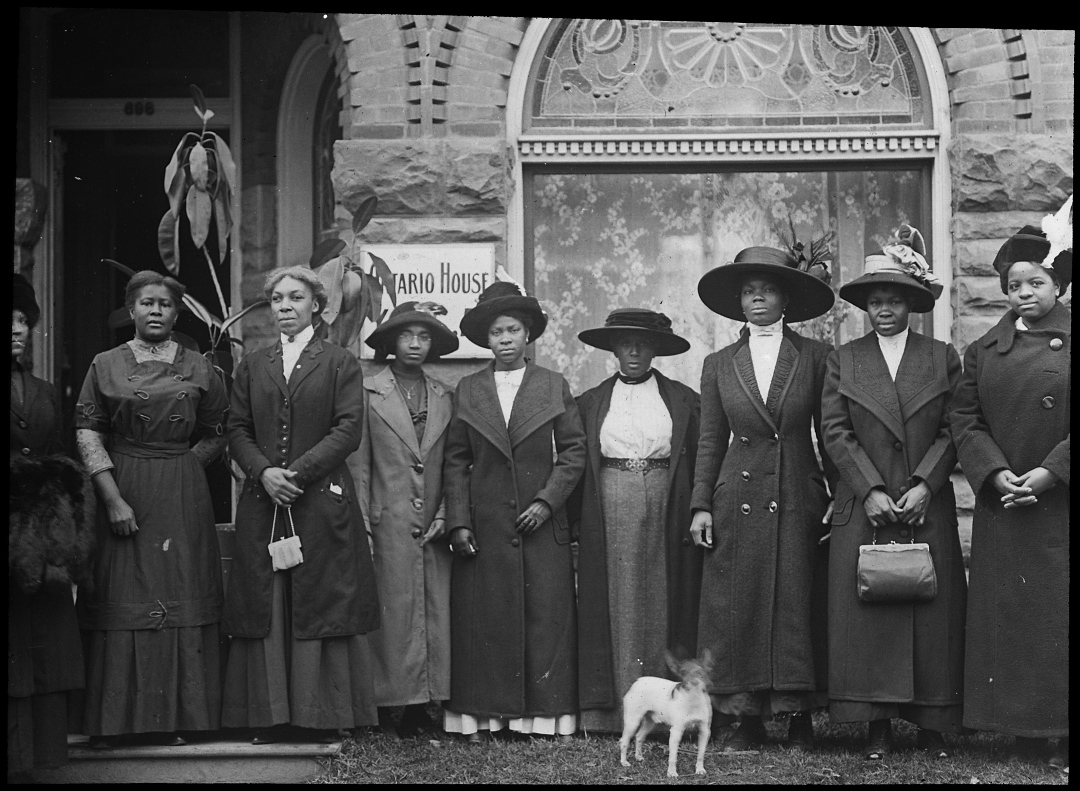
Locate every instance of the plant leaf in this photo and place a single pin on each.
(200, 100)
(237, 316)
(330, 274)
(127, 270)
(327, 249)
(168, 247)
(199, 210)
(224, 224)
(225, 158)
(119, 318)
(176, 176)
(364, 212)
(211, 321)
(200, 170)
(207, 115)
(387, 278)
(365, 308)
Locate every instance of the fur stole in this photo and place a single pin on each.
(51, 523)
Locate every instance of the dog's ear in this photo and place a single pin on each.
(706, 660)
(672, 663)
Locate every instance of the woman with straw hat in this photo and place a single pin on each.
(885, 417)
(514, 454)
(639, 577)
(759, 500)
(397, 467)
(1012, 425)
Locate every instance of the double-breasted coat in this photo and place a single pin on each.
(683, 562)
(399, 483)
(309, 424)
(513, 614)
(1012, 411)
(887, 435)
(766, 491)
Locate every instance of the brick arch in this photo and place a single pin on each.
(376, 77)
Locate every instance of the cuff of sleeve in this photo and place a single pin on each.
(99, 468)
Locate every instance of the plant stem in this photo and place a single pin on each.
(217, 285)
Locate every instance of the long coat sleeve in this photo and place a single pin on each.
(1013, 411)
(891, 436)
(513, 614)
(310, 424)
(683, 561)
(767, 495)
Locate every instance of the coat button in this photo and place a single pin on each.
(1048, 402)
(26, 451)
(418, 504)
(898, 445)
(903, 490)
(744, 440)
(904, 533)
(416, 533)
(745, 475)
(515, 543)
(772, 506)
(775, 437)
(746, 508)
(418, 468)
(1056, 344)
(22, 424)
(686, 542)
(512, 503)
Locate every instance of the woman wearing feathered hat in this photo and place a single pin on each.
(399, 464)
(758, 502)
(1012, 426)
(885, 419)
(50, 535)
(514, 454)
(639, 580)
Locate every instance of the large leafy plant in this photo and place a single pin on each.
(355, 281)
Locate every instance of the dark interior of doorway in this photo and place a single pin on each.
(113, 200)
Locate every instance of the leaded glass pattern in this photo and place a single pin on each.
(600, 74)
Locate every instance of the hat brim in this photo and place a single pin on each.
(807, 296)
(668, 344)
(858, 291)
(475, 322)
(443, 339)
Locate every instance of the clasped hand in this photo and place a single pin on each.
(910, 508)
(1020, 490)
(278, 483)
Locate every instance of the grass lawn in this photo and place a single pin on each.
(373, 758)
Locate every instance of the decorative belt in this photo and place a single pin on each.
(634, 465)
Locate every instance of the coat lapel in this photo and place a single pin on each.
(480, 409)
(744, 372)
(787, 362)
(917, 379)
(388, 404)
(872, 386)
(536, 404)
(308, 362)
(680, 419)
(274, 368)
(594, 416)
(439, 409)
(29, 396)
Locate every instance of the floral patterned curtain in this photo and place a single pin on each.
(603, 241)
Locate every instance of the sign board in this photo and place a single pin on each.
(453, 275)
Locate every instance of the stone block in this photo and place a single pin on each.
(979, 296)
(975, 58)
(968, 329)
(945, 34)
(993, 173)
(984, 90)
(444, 177)
(31, 203)
(993, 225)
(965, 498)
(434, 230)
(503, 28)
(989, 73)
(976, 256)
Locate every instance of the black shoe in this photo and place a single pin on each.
(386, 724)
(415, 722)
(750, 735)
(933, 743)
(264, 736)
(103, 742)
(1059, 758)
(800, 735)
(880, 742)
(479, 738)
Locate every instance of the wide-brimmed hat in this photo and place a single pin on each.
(1031, 244)
(809, 296)
(656, 326)
(443, 339)
(23, 298)
(498, 298)
(901, 263)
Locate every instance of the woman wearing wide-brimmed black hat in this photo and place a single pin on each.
(639, 578)
(885, 418)
(759, 500)
(50, 535)
(1012, 425)
(399, 464)
(514, 454)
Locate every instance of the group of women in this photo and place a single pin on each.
(399, 543)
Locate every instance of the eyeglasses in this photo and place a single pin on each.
(408, 337)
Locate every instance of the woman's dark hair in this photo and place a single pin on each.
(148, 277)
(525, 319)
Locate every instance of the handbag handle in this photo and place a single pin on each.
(273, 526)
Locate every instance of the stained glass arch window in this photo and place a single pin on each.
(602, 75)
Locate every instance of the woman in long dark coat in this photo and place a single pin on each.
(639, 576)
(50, 535)
(514, 454)
(152, 617)
(1012, 427)
(886, 425)
(762, 497)
(398, 476)
(296, 655)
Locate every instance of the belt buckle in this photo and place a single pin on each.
(637, 465)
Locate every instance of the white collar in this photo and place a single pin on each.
(893, 340)
(774, 329)
(300, 338)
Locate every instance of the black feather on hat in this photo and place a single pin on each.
(1031, 244)
(22, 298)
(496, 299)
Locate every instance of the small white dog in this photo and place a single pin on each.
(679, 705)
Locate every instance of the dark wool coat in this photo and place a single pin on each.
(1012, 411)
(766, 490)
(595, 679)
(310, 425)
(51, 515)
(891, 436)
(513, 616)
